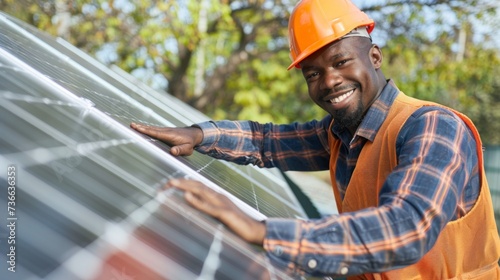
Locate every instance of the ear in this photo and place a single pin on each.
(376, 56)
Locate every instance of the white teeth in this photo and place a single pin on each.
(342, 97)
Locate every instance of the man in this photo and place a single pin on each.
(407, 175)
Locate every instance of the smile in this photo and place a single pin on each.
(342, 97)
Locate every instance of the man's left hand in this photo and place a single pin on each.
(222, 208)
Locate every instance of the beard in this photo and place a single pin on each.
(345, 119)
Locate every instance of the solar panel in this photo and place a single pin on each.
(86, 204)
(125, 105)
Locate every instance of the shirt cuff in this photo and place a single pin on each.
(284, 247)
(211, 133)
(282, 242)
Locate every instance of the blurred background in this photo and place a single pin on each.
(228, 58)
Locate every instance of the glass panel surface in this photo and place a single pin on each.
(85, 201)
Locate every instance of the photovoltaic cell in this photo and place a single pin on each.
(87, 201)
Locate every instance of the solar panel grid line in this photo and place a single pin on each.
(213, 261)
(54, 153)
(220, 178)
(71, 100)
(255, 197)
(27, 98)
(270, 203)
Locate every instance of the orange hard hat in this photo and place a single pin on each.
(315, 23)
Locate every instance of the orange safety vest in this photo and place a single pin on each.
(467, 248)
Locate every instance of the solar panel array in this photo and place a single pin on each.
(82, 187)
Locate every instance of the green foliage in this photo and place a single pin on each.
(276, 94)
(469, 86)
(433, 68)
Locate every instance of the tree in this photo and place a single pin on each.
(242, 48)
(450, 66)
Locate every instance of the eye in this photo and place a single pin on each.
(311, 76)
(341, 63)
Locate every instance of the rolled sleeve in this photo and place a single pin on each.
(294, 146)
(211, 133)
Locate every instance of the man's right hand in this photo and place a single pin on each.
(181, 139)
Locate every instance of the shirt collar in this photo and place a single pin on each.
(375, 116)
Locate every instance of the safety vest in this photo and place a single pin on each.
(467, 248)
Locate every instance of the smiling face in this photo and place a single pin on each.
(344, 79)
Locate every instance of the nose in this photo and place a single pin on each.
(331, 79)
